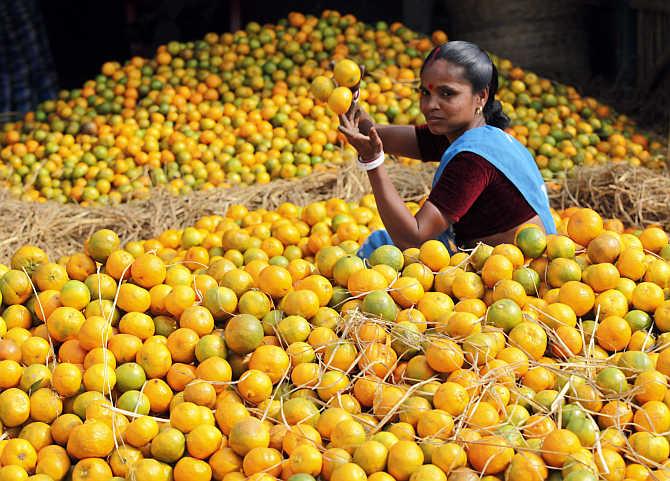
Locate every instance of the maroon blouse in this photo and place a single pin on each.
(471, 193)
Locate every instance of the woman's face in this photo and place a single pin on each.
(447, 99)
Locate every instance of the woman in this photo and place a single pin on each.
(487, 183)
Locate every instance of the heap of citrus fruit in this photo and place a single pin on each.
(256, 346)
(235, 109)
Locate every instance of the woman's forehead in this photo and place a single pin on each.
(441, 71)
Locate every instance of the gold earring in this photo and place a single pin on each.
(478, 111)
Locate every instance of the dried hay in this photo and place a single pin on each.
(62, 229)
(637, 196)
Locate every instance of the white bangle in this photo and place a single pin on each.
(372, 164)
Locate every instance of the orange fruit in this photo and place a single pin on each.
(224, 461)
(53, 461)
(14, 407)
(647, 296)
(496, 268)
(584, 226)
(404, 458)
(434, 254)
(321, 88)
(558, 445)
(307, 459)
(452, 398)
(561, 270)
(93, 439)
(611, 465)
(118, 264)
(271, 360)
(19, 452)
(605, 248)
(255, 386)
(467, 285)
(15, 287)
(434, 305)
(80, 266)
(132, 298)
(490, 455)
(653, 239)
(155, 359)
(101, 244)
(197, 318)
(653, 416)
(443, 355)
(348, 472)
(347, 73)
(371, 456)
(10, 373)
(248, 434)
(527, 465)
(275, 281)
(340, 100)
(612, 303)
(436, 423)
(91, 469)
(531, 240)
(613, 333)
(203, 440)
(578, 296)
(560, 246)
(262, 460)
(512, 252)
(94, 332)
(141, 431)
(243, 333)
(345, 267)
(148, 270)
(188, 469)
(64, 323)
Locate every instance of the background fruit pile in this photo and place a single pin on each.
(256, 346)
(235, 109)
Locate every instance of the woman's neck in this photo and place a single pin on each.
(477, 122)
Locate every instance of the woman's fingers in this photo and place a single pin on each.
(375, 139)
(344, 120)
(349, 133)
(357, 114)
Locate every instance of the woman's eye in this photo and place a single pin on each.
(445, 93)
(423, 92)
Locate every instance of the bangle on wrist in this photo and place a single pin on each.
(371, 164)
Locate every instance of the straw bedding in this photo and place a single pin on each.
(637, 196)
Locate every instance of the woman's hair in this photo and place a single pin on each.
(479, 71)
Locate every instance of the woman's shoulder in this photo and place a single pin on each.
(470, 159)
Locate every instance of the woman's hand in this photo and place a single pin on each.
(368, 146)
(365, 122)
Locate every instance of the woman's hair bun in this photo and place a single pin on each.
(495, 116)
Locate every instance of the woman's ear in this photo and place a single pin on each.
(484, 96)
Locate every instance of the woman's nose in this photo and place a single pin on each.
(430, 102)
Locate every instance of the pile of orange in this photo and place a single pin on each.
(256, 345)
(564, 129)
(235, 109)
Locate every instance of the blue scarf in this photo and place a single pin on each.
(511, 158)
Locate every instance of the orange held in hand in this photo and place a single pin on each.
(347, 73)
(340, 100)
